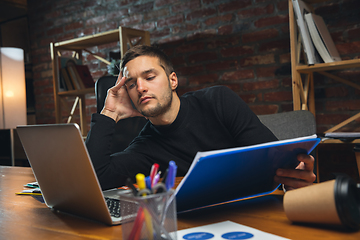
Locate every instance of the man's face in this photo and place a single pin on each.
(148, 86)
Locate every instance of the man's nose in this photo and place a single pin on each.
(141, 85)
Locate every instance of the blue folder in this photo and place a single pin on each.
(233, 174)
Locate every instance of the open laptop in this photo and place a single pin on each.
(63, 169)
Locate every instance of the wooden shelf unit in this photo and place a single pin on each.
(126, 36)
(303, 89)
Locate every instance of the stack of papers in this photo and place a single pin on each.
(32, 189)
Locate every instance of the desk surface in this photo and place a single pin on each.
(22, 217)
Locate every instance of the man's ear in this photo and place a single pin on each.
(173, 81)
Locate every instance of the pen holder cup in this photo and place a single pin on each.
(149, 217)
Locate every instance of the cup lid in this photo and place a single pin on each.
(347, 200)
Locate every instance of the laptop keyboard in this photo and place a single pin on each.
(114, 206)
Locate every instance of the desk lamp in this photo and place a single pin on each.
(12, 91)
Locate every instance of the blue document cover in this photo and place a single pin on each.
(232, 174)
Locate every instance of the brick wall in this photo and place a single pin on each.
(243, 44)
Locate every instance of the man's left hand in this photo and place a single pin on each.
(303, 175)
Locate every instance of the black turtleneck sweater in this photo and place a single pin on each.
(208, 119)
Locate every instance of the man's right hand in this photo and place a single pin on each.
(118, 103)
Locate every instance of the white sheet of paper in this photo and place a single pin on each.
(225, 230)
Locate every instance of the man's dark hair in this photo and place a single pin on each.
(151, 51)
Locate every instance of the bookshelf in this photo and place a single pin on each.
(303, 75)
(127, 38)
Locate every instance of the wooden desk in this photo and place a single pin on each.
(22, 217)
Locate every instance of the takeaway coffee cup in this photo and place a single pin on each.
(335, 202)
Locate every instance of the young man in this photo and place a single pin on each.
(178, 127)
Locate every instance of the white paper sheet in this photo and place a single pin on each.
(225, 230)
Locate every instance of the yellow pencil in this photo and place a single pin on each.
(28, 193)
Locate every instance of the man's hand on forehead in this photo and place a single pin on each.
(126, 74)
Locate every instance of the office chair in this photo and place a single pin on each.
(292, 124)
(125, 130)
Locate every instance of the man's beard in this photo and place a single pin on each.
(159, 109)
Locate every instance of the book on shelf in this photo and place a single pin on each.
(64, 76)
(61, 82)
(322, 38)
(81, 76)
(85, 76)
(300, 9)
(75, 79)
(73, 75)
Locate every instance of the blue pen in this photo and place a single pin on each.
(174, 175)
(148, 182)
(170, 179)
